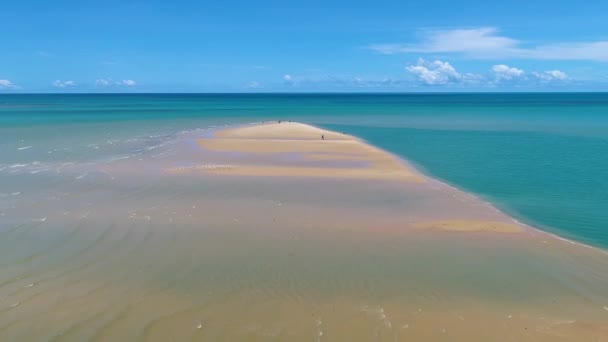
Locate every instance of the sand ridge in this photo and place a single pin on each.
(311, 144)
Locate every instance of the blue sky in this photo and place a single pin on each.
(298, 46)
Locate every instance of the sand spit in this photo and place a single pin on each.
(310, 145)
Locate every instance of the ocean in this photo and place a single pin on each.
(540, 157)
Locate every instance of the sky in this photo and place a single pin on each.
(83, 46)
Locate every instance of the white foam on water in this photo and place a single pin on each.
(82, 176)
(319, 323)
(24, 148)
(379, 314)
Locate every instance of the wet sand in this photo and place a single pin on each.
(176, 245)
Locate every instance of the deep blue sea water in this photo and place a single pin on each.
(543, 158)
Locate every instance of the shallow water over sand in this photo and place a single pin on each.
(537, 156)
(124, 250)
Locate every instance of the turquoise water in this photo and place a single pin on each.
(541, 157)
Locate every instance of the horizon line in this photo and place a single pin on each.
(314, 93)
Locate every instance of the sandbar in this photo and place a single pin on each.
(309, 144)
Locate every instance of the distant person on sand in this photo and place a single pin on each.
(323, 136)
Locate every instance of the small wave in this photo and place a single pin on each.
(82, 175)
(24, 147)
(4, 194)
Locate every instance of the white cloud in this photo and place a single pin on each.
(443, 73)
(481, 39)
(42, 53)
(289, 80)
(340, 81)
(504, 72)
(6, 84)
(103, 82)
(487, 43)
(64, 84)
(253, 85)
(434, 73)
(551, 75)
